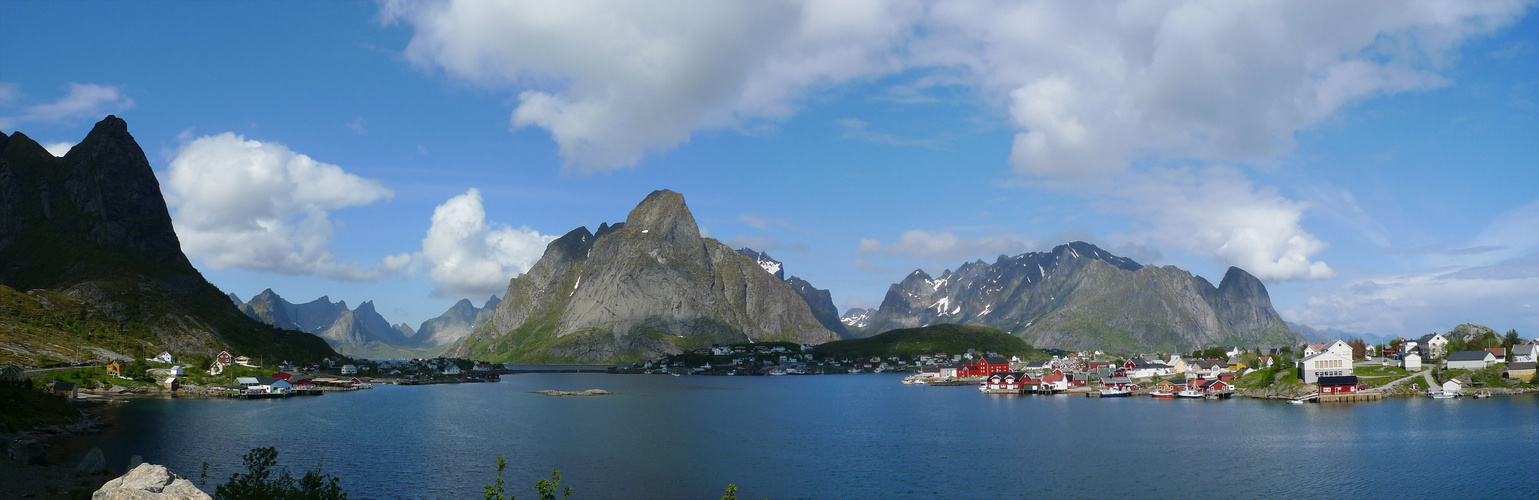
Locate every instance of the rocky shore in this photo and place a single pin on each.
(579, 394)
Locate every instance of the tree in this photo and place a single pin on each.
(547, 487)
(259, 481)
(1359, 349)
(1511, 339)
(494, 491)
(731, 493)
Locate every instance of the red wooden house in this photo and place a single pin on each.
(1338, 385)
(284, 375)
(224, 358)
(988, 366)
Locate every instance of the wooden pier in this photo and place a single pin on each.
(1351, 398)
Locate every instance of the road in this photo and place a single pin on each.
(41, 370)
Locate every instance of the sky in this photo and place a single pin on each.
(1376, 164)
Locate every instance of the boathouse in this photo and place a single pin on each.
(1338, 385)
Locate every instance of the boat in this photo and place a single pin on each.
(1482, 395)
(1443, 395)
(1189, 394)
(1295, 401)
(1115, 393)
(777, 372)
(675, 374)
(1161, 394)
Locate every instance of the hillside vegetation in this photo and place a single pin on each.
(910, 342)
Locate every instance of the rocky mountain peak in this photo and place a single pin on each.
(664, 214)
(492, 302)
(769, 264)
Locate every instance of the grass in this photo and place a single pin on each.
(911, 342)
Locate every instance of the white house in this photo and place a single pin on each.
(349, 370)
(1452, 386)
(1311, 350)
(1524, 353)
(1340, 347)
(721, 351)
(1410, 362)
(1471, 360)
(177, 371)
(1433, 345)
(164, 357)
(1324, 364)
(452, 369)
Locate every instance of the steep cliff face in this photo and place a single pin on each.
(648, 287)
(819, 300)
(94, 226)
(1078, 296)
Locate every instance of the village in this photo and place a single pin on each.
(1323, 372)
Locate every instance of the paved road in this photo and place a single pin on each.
(41, 370)
(1427, 373)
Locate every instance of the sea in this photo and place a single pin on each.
(843, 436)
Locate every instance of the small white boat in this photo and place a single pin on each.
(1295, 401)
(777, 372)
(1189, 394)
(1444, 395)
(1115, 393)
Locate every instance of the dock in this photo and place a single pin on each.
(1350, 398)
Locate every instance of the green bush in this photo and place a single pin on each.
(260, 483)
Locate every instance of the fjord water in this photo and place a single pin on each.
(846, 436)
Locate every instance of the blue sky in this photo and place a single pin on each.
(1374, 163)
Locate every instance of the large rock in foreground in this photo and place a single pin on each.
(638, 290)
(149, 481)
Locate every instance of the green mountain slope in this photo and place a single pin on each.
(93, 226)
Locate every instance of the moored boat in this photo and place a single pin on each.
(1189, 394)
(1161, 394)
(1115, 393)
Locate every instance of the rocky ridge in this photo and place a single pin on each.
(644, 288)
(93, 225)
(819, 300)
(1077, 296)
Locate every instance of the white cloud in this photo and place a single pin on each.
(357, 125)
(763, 223)
(259, 206)
(611, 81)
(946, 245)
(1090, 86)
(84, 101)
(470, 256)
(1220, 214)
(58, 149)
(1492, 280)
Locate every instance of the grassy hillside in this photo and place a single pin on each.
(910, 342)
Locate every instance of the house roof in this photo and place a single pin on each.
(1427, 338)
(63, 386)
(996, 360)
(1523, 349)
(1342, 380)
(1469, 356)
(1322, 354)
(1526, 365)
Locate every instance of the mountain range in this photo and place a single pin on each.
(363, 332)
(93, 226)
(1078, 296)
(640, 289)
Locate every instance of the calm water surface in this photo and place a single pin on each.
(847, 436)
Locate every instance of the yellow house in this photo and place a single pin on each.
(115, 368)
(1520, 371)
(11, 374)
(1235, 365)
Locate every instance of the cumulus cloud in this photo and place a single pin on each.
(1220, 214)
(613, 81)
(1088, 86)
(84, 101)
(247, 204)
(469, 256)
(946, 245)
(58, 149)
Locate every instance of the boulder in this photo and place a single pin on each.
(93, 462)
(25, 451)
(149, 481)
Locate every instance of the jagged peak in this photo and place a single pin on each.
(366, 305)
(492, 302)
(663, 213)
